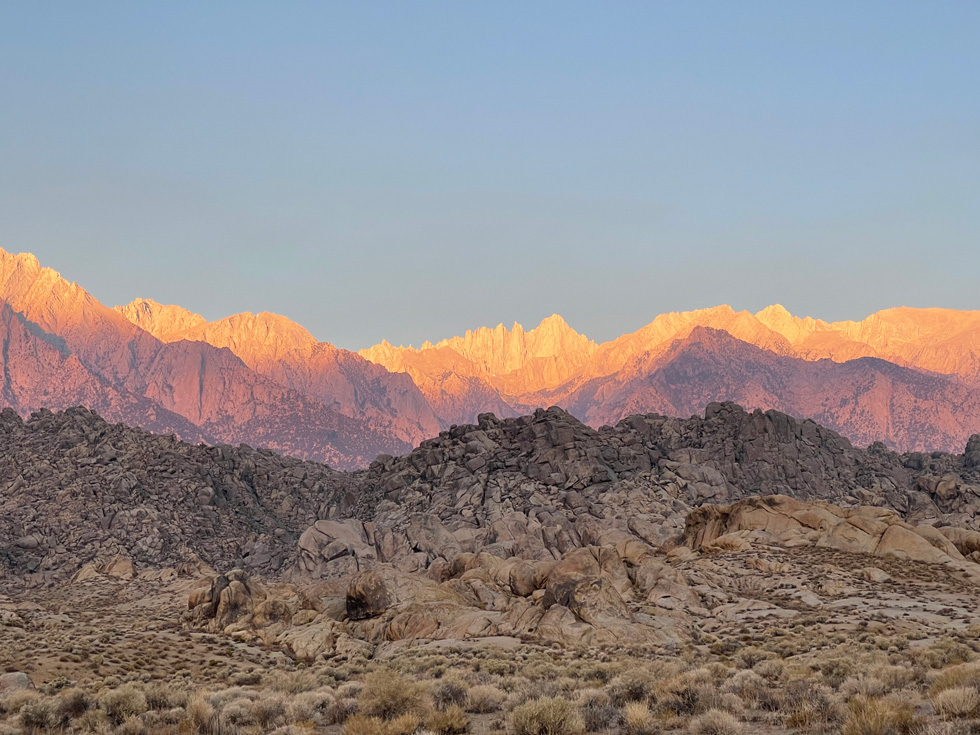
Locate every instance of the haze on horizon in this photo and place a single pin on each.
(410, 171)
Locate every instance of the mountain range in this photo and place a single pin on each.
(909, 378)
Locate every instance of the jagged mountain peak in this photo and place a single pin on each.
(256, 338)
(166, 322)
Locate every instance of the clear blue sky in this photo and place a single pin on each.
(410, 169)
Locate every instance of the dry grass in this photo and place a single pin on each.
(956, 702)
(880, 716)
(387, 695)
(715, 722)
(757, 678)
(548, 716)
(638, 720)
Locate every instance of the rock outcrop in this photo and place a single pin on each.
(783, 521)
(76, 490)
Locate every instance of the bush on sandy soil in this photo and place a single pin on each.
(450, 721)
(961, 675)
(340, 710)
(449, 692)
(120, 703)
(638, 720)
(201, 717)
(164, 696)
(865, 685)
(132, 725)
(309, 706)
(597, 710)
(630, 688)
(484, 698)
(812, 706)
(683, 694)
(406, 724)
(894, 677)
(12, 703)
(388, 695)
(269, 710)
(291, 682)
(880, 716)
(715, 722)
(73, 703)
(770, 670)
(956, 702)
(39, 714)
(548, 716)
(747, 685)
(749, 656)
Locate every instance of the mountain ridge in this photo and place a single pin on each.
(264, 379)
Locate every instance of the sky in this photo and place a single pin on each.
(409, 170)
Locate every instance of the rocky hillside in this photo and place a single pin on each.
(539, 485)
(76, 489)
(535, 528)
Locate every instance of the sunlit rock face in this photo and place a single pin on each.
(64, 348)
(907, 377)
(281, 350)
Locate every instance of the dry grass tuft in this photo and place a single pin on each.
(548, 716)
(638, 720)
(388, 695)
(880, 716)
(956, 703)
(715, 722)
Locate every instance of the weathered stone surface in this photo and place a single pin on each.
(15, 681)
(780, 519)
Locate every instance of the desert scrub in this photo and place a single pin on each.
(161, 696)
(120, 703)
(812, 706)
(269, 710)
(449, 721)
(956, 676)
(597, 710)
(201, 717)
(715, 722)
(484, 698)
(956, 702)
(864, 685)
(39, 715)
(73, 703)
(406, 724)
(448, 692)
(747, 685)
(638, 720)
(883, 716)
(132, 725)
(387, 695)
(309, 706)
(292, 682)
(340, 710)
(630, 688)
(548, 716)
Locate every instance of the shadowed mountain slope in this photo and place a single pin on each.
(110, 362)
(284, 352)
